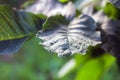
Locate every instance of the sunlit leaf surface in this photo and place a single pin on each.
(65, 38)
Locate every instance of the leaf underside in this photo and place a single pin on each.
(67, 39)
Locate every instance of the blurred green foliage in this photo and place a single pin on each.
(32, 62)
(112, 11)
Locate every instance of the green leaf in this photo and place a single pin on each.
(95, 67)
(66, 38)
(11, 46)
(64, 1)
(54, 21)
(17, 24)
(111, 11)
(91, 70)
(15, 27)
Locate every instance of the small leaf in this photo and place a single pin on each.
(64, 1)
(52, 21)
(66, 39)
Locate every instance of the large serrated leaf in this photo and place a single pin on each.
(69, 38)
(17, 24)
(15, 27)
